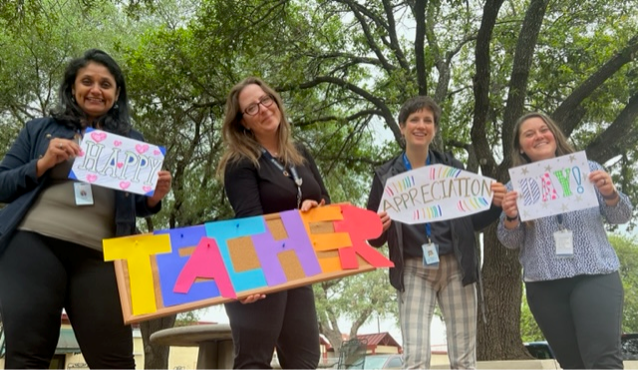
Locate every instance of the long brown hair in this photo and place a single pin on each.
(518, 157)
(241, 143)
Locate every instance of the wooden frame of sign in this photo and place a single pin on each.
(274, 224)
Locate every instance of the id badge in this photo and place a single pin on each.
(564, 243)
(83, 193)
(430, 255)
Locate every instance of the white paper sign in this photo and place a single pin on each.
(553, 186)
(118, 162)
(435, 193)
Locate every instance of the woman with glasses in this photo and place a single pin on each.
(265, 172)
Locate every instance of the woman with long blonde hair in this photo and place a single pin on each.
(265, 172)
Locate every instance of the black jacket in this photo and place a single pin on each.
(462, 229)
(20, 186)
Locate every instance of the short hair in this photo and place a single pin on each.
(416, 104)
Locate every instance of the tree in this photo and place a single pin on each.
(627, 250)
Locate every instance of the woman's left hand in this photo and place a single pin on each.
(602, 180)
(162, 188)
(499, 191)
(309, 203)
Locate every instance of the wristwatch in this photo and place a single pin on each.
(511, 219)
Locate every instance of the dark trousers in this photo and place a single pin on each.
(285, 321)
(39, 276)
(581, 318)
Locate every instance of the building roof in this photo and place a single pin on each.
(374, 340)
(378, 339)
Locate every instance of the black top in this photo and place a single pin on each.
(416, 235)
(256, 191)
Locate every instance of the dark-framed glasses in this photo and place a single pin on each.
(252, 109)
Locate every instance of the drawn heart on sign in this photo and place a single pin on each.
(92, 178)
(146, 189)
(81, 154)
(98, 137)
(125, 185)
(117, 143)
(156, 152)
(119, 164)
(141, 149)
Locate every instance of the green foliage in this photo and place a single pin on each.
(627, 250)
(528, 327)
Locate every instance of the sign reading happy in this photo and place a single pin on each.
(435, 193)
(118, 162)
(553, 186)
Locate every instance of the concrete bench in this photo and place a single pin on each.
(215, 345)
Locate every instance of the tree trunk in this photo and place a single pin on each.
(156, 356)
(499, 337)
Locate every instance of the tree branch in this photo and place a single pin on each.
(482, 81)
(521, 68)
(565, 114)
(621, 134)
(393, 36)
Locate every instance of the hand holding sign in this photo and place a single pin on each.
(436, 193)
(119, 163)
(553, 186)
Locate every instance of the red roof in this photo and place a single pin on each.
(378, 339)
(374, 340)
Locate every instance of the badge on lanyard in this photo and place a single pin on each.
(430, 255)
(564, 240)
(83, 193)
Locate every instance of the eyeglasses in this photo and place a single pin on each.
(253, 108)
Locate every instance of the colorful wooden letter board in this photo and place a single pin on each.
(182, 269)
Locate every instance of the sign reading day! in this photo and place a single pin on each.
(435, 193)
(118, 162)
(553, 186)
(186, 268)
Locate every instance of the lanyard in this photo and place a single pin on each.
(407, 165)
(559, 218)
(293, 175)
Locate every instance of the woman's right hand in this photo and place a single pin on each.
(252, 298)
(385, 219)
(59, 150)
(510, 205)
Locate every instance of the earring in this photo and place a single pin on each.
(73, 99)
(115, 107)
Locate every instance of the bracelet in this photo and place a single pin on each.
(610, 197)
(511, 219)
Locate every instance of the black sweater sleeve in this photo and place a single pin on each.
(373, 203)
(241, 186)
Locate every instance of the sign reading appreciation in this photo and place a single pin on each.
(118, 162)
(553, 186)
(435, 193)
(186, 268)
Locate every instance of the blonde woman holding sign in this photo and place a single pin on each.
(576, 298)
(434, 262)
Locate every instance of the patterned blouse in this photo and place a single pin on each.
(592, 252)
